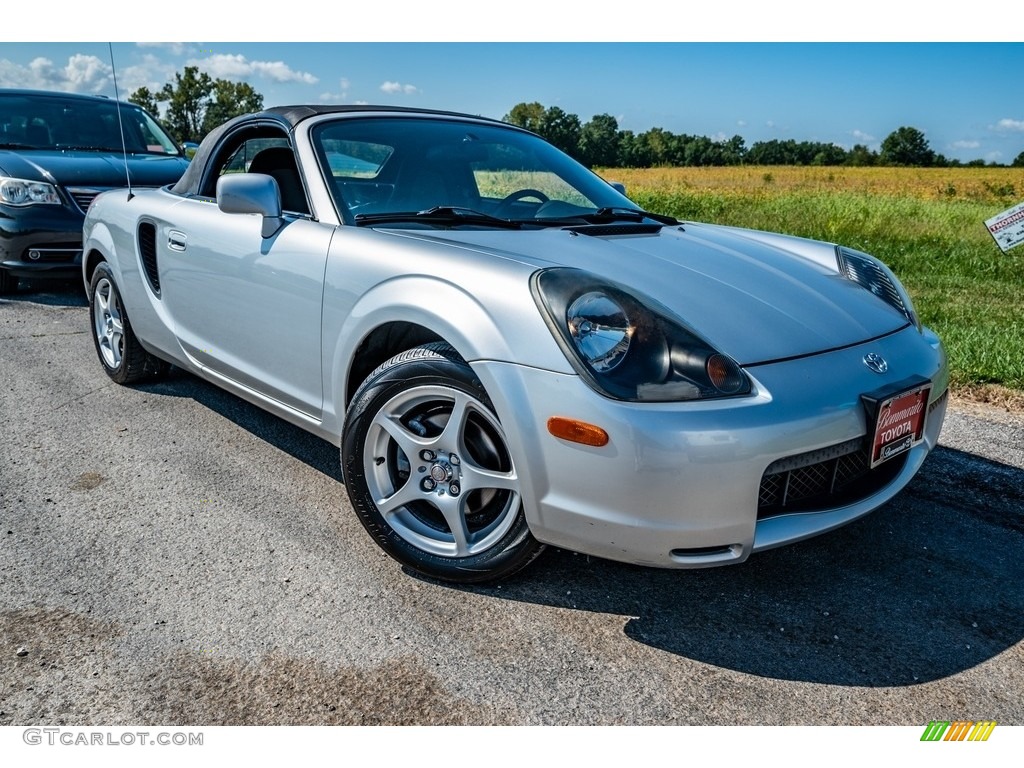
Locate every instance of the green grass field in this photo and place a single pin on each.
(927, 226)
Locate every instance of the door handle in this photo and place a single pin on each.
(177, 241)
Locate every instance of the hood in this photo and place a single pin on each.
(91, 169)
(754, 300)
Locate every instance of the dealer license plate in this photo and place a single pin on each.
(899, 425)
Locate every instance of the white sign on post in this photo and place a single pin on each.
(1008, 228)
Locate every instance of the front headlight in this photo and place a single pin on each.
(874, 276)
(627, 346)
(23, 192)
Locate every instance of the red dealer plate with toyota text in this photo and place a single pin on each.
(900, 424)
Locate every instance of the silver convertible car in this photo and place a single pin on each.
(508, 352)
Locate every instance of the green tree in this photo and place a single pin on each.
(734, 150)
(230, 99)
(660, 146)
(861, 155)
(196, 103)
(145, 99)
(1018, 162)
(599, 141)
(186, 99)
(529, 116)
(633, 151)
(906, 146)
(561, 128)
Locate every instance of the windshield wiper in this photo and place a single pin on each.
(16, 145)
(606, 215)
(89, 148)
(439, 214)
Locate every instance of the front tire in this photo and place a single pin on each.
(429, 471)
(122, 356)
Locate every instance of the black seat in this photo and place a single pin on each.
(279, 162)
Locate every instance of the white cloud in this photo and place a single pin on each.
(177, 49)
(1008, 124)
(393, 86)
(342, 94)
(770, 123)
(741, 123)
(994, 157)
(237, 66)
(720, 137)
(83, 74)
(150, 72)
(861, 137)
(966, 144)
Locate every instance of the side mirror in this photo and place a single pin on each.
(251, 193)
(190, 148)
(618, 186)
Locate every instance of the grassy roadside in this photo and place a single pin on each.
(927, 225)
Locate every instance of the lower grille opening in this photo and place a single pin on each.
(831, 477)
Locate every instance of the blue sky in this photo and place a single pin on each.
(964, 96)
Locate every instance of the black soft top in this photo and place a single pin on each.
(296, 113)
(286, 118)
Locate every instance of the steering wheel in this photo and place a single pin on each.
(516, 196)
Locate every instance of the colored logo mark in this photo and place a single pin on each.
(958, 730)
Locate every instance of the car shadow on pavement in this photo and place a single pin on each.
(54, 293)
(928, 586)
(309, 449)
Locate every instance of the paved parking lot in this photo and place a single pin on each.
(170, 554)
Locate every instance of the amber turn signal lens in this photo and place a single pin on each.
(724, 374)
(577, 431)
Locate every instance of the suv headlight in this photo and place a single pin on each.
(24, 192)
(627, 346)
(874, 276)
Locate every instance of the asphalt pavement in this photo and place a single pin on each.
(170, 554)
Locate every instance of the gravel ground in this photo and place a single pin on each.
(172, 555)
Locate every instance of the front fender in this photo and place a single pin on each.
(505, 328)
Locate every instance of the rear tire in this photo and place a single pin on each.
(429, 472)
(121, 355)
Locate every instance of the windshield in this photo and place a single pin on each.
(394, 165)
(52, 122)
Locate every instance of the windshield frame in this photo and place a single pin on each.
(412, 137)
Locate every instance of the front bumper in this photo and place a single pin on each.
(678, 484)
(41, 241)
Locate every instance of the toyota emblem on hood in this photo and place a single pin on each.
(876, 362)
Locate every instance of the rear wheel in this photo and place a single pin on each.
(429, 471)
(123, 357)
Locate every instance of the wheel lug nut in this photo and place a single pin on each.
(453, 489)
(453, 460)
(428, 484)
(427, 455)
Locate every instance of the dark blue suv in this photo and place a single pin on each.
(57, 152)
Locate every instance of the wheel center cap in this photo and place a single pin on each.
(441, 472)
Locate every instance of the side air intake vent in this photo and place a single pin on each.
(147, 250)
